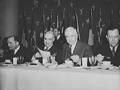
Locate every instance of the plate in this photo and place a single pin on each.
(77, 67)
(48, 64)
(7, 63)
(52, 66)
(85, 67)
(62, 66)
(33, 65)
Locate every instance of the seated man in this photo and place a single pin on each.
(50, 47)
(75, 49)
(111, 50)
(16, 50)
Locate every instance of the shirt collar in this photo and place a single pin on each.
(115, 48)
(15, 51)
(58, 37)
(73, 46)
(47, 47)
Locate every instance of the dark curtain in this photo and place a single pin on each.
(38, 16)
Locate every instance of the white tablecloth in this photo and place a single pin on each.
(41, 78)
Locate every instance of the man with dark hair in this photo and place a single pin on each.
(110, 51)
(16, 50)
(59, 38)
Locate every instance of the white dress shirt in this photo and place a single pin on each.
(15, 51)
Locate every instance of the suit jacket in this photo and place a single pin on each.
(106, 51)
(23, 51)
(59, 43)
(81, 49)
(52, 50)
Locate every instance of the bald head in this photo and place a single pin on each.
(71, 35)
(49, 38)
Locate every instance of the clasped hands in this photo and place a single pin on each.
(99, 58)
(76, 59)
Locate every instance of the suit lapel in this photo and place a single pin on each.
(75, 51)
(17, 53)
(66, 53)
(118, 50)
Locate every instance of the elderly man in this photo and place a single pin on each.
(50, 47)
(75, 49)
(111, 50)
(16, 50)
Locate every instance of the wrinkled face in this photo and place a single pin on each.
(113, 37)
(12, 44)
(71, 36)
(56, 32)
(48, 40)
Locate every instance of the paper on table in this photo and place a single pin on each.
(44, 53)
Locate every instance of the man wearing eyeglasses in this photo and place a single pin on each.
(111, 50)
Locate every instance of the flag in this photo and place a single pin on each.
(111, 22)
(33, 41)
(90, 38)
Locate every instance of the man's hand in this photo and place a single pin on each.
(99, 58)
(75, 58)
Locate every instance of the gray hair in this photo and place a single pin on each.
(71, 29)
(50, 32)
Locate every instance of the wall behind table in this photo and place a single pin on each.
(9, 17)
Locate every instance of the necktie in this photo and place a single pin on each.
(70, 49)
(113, 51)
(46, 48)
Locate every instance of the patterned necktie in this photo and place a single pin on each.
(113, 51)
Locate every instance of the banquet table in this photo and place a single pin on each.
(24, 77)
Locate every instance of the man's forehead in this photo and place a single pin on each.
(113, 32)
(48, 35)
(11, 39)
(69, 32)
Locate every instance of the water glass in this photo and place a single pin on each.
(92, 60)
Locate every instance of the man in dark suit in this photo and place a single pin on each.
(111, 50)
(75, 49)
(59, 38)
(16, 50)
(50, 47)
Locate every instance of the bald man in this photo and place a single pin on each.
(50, 47)
(75, 49)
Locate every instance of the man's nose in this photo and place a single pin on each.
(113, 38)
(8, 44)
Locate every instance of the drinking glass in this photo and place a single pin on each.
(92, 60)
(20, 59)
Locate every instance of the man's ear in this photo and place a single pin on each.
(107, 37)
(17, 43)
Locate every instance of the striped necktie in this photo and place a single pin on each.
(113, 51)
